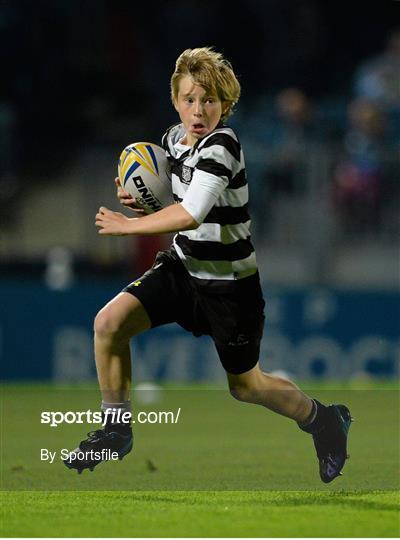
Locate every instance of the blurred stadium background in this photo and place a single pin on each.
(319, 120)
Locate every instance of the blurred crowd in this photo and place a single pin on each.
(357, 136)
(317, 115)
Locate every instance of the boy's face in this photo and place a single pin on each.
(199, 111)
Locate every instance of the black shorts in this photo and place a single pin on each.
(233, 314)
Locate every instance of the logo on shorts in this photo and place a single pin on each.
(241, 339)
(136, 283)
(187, 173)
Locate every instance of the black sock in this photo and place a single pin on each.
(317, 418)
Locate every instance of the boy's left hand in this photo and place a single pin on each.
(113, 223)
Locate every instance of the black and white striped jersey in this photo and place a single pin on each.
(209, 180)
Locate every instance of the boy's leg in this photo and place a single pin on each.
(122, 318)
(329, 425)
(277, 394)
(155, 299)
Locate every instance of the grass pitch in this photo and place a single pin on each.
(225, 469)
(208, 514)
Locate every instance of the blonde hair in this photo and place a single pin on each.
(210, 70)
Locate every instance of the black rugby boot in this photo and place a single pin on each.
(112, 442)
(330, 441)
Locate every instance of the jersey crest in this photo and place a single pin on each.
(187, 173)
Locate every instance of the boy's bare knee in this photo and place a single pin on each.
(116, 324)
(105, 324)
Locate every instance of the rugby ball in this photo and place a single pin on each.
(144, 173)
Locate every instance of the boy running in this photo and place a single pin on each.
(208, 280)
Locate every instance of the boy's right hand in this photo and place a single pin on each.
(127, 200)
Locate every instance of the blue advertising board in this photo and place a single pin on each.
(309, 333)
